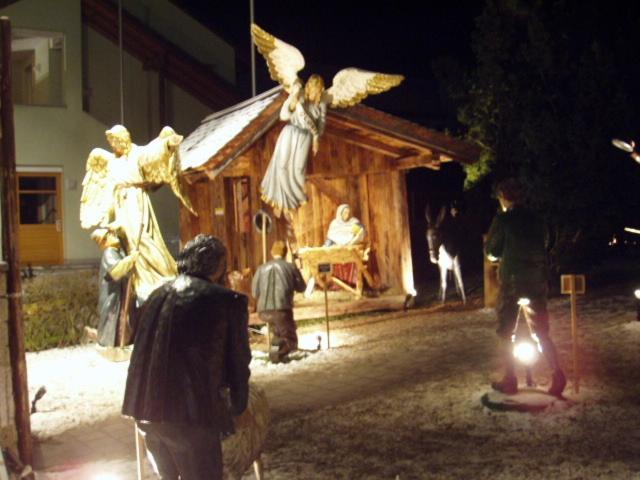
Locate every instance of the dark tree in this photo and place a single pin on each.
(553, 82)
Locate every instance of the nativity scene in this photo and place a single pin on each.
(332, 178)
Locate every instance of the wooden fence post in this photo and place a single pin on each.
(10, 251)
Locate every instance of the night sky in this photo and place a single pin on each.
(407, 37)
(393, 37)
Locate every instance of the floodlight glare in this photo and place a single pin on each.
(523, 302)
(636, 293)
(525, 352)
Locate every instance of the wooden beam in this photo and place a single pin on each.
(327, 189)
(407, 132)
(316, 310)
(390, 165)
(355, 138)
(414, 161)
(11, 252)
(158, 54)
(376, 136)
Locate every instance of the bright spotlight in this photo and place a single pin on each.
(637, 293)
(525, 352)
(524, 302)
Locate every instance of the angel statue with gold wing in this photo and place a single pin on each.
(115, 196)
(305, 111)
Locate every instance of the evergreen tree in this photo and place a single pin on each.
(552, 84)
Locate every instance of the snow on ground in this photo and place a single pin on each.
(82, 387)
(400, 398)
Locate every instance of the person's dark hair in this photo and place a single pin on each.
(511, 189)
(201, 256)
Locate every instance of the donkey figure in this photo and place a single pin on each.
(443, 239)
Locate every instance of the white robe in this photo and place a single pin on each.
(134, 213)
(283, 184)
(344, 232)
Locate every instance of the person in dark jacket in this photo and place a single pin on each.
(273, 286)
(191, 345)
(517, 238)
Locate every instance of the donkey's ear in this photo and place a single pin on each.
(427, 214)
(441, 214)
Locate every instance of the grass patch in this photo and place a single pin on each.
(57, 307)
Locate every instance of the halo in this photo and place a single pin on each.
(262, 218)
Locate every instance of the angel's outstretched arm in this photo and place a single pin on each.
(289, 105)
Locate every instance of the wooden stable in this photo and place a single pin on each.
(363, 157)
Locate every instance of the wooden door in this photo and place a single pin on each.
(40, 214)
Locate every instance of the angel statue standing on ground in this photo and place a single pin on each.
(305, 109)
(115, 196)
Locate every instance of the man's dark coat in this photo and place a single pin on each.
(191, 342)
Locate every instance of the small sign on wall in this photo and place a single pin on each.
(218, 212)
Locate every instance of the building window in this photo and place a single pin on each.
(38, 199)
(38, 65)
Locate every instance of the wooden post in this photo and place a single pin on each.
(574, 335)
(10, 250)
(491, 281)
(574, 285)
(324, 273)
(326, 315)
(268, 338)
(264, 240)
(140, 452)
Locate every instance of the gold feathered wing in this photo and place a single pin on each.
(284, 60)
(351, 85)
(166, 169)
(96, 202)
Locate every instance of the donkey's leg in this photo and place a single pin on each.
(457, 272)
(443, 282)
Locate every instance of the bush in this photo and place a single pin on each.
(57, 307)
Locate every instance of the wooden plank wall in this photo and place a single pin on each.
(336, 175)
(208, 201)
(389, 229)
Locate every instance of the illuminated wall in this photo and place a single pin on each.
(60, 136)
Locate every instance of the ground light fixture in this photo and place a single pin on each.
(526, 351)
(526, 347)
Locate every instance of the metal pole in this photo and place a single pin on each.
(253, 51)
(140, 452)
(11, 253)
(326, 314)
(574, 335)
(120, 46)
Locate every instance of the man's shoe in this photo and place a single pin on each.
(558, 382)
(508, 385)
